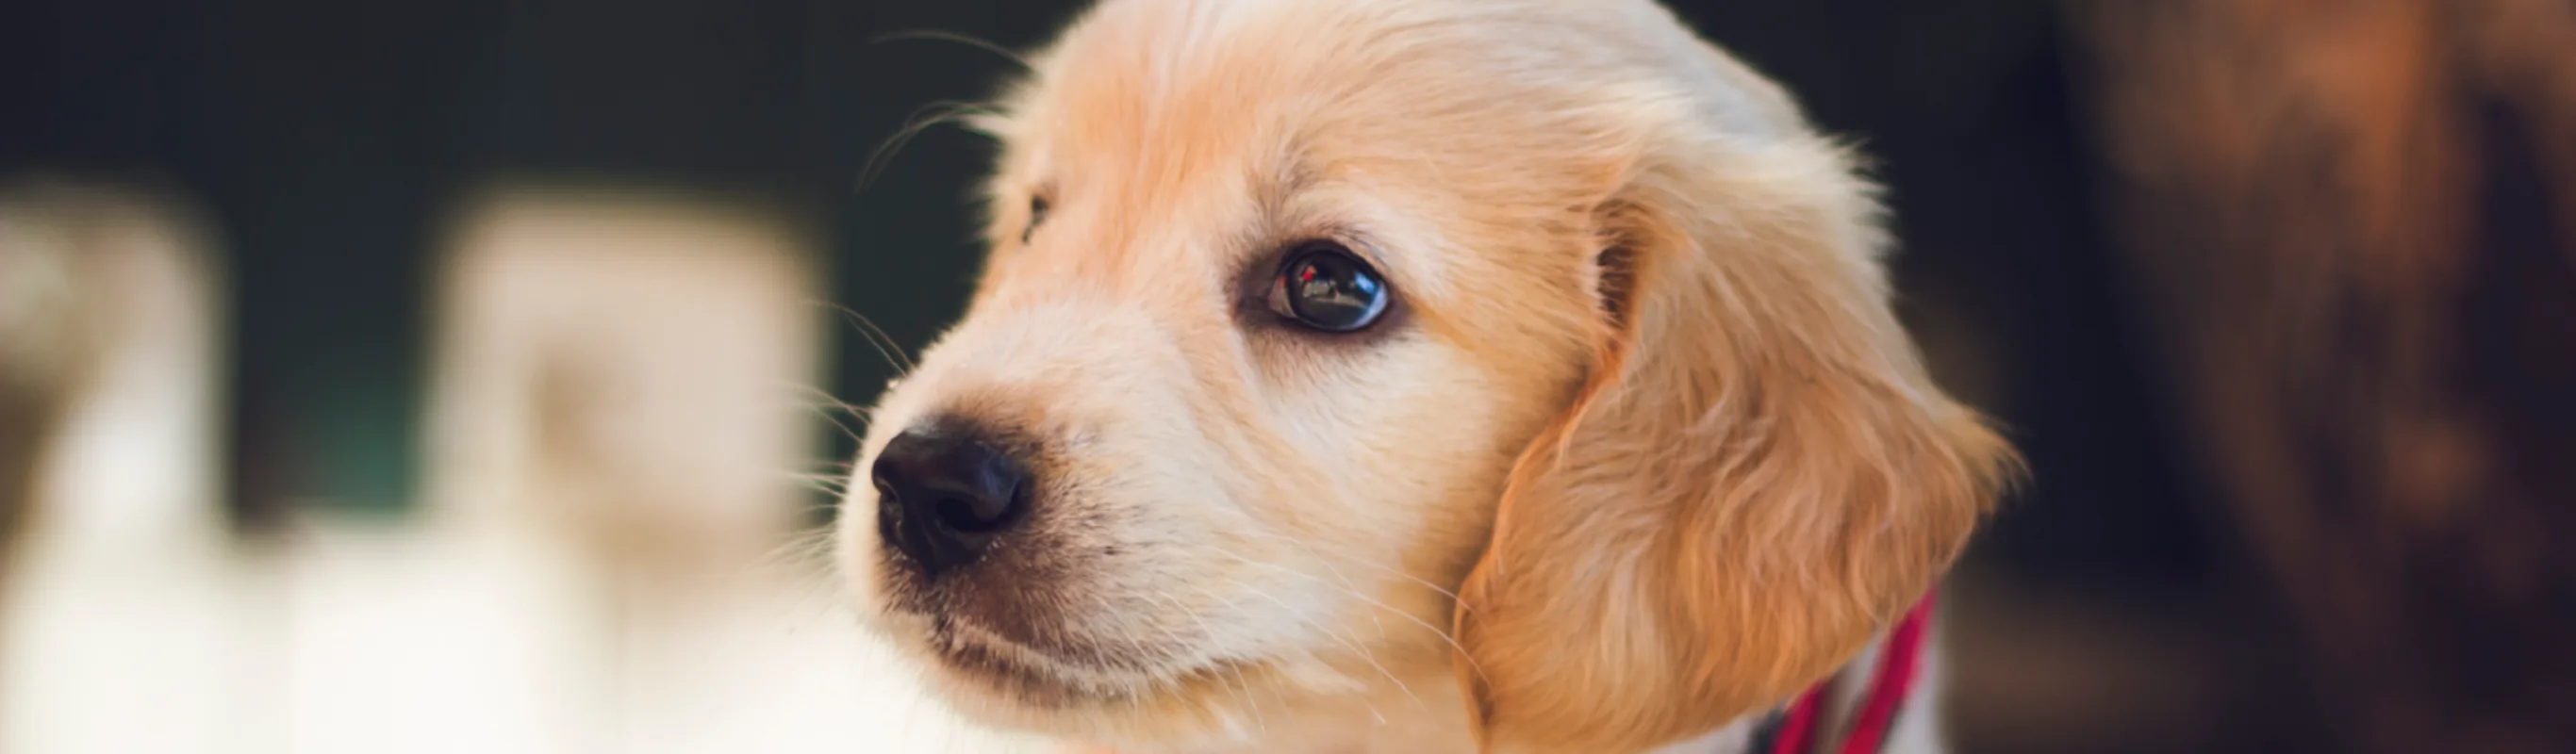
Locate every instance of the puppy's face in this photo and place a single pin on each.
(1284, 301)
(1258, 342)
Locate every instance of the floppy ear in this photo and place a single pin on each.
(1756, 479)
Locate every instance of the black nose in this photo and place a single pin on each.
(942, 495)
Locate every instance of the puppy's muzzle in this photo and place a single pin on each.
(944, 494)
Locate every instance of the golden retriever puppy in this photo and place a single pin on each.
(1422, 375)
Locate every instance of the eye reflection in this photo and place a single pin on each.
(1324, 286)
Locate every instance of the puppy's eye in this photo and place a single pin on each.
(1037, 214)
(1323, 286)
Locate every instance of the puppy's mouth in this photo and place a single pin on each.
(1023, 672)
(998, 667)
(991, 663)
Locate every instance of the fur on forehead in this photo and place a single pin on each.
(1298, 117)
(1142, 96)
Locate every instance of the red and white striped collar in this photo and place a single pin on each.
(1794, 730)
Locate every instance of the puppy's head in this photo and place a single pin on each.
(1326, 345)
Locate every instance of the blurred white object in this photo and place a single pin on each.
(134, 319)
(621, 406)
(615, 416)
(624, 369)
(124, 627)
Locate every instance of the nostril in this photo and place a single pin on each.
(991, 499)
(943, 495)
(972, 515)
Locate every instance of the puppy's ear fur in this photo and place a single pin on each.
(1757, 477)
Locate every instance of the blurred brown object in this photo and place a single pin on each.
(2353, 223)
(35, 382)
(49, 330)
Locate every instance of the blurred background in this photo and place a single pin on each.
(471, 375)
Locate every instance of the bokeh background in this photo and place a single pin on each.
(458, 375)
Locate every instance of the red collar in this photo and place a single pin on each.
(1794, 731)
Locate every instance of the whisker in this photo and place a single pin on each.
(885, 345)
(1176, 683)
(1319, 557)
(1243, 688)
(831, 487)
(799, 549)
(1327, 563)
(833, 482)
(922, 119)
(1435, 630)
(1275, 694)
(950, 36)
(1347, 643)
(822, 403)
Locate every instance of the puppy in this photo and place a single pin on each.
(1436, 375)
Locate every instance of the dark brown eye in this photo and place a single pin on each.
(1037, 214)
(1324, 286)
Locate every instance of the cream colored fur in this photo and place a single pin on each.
(1641, 451)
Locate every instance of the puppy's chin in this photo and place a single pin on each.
(1146, 694)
